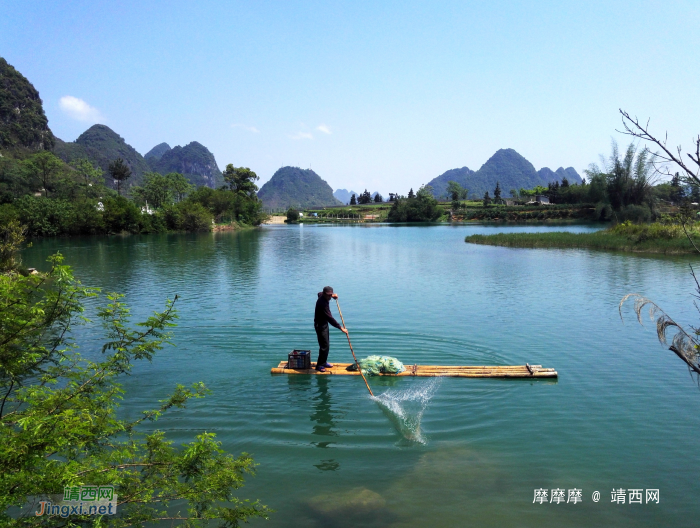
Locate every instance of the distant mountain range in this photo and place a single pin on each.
(344, 195)
(295, 187)
(100, 144)
(193, 160)
(508, 168)
(24, 126)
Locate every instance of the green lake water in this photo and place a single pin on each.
(467, 452)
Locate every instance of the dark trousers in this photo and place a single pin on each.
(324, 343)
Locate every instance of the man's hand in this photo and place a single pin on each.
(344, 330)
(334, 296)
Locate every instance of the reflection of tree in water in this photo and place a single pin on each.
(324, 417)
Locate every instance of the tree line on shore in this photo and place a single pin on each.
(54, 198)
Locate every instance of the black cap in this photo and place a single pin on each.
(327, 289)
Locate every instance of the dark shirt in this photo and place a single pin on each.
(322, 315)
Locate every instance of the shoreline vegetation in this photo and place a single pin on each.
(466, 212)
(658, 238)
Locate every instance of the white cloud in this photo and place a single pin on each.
(301, 135)
(246, 127)
(324, 129)
(79, 109)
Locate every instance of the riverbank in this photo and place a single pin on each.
(667, 239)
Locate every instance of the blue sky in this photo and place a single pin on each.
(378, 95)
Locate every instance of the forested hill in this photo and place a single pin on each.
(295, 187)
(194, 160)
(549, 175)
(460, 176)
(101, 145)
(506, 167)
(23, 124)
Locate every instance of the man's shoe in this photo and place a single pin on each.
(328, 365)
(321, 369)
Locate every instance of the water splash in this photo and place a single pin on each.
(405, 408)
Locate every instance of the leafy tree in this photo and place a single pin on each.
(119, 171)
(120, 215)
(456, 191)
(677, 192)
(11, 237)
(219, 202)
(179, 185)
(58, 420)
(487, 199)
(222, 204)
(241, 180)
(534, 191)
(17, 178)
(46, 167)
(45, 217)
(194, 217)
(353, 200)
(156, 190)
(378, 198)
(423, 207)
(90, 174)
(411, 194)
(293, 214)
(564, 182)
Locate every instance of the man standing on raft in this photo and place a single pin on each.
(322, 317)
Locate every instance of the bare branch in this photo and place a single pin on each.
(632, 127)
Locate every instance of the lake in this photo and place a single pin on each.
(622, 414)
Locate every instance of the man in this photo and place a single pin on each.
(322, 317)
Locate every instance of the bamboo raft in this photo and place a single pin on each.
(459, 371)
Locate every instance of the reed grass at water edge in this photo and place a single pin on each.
(668, 239)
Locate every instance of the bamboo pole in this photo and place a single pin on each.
(351, 350)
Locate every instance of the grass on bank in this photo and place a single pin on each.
(661, 238)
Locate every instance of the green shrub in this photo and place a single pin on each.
(603, 211)
(155, 223)
(87, 220)
(292, 215)
(194, 217)
(45, 217)
(120, 215)
(422, 208)
(635, 213)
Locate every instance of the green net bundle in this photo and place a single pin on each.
(375, 365)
